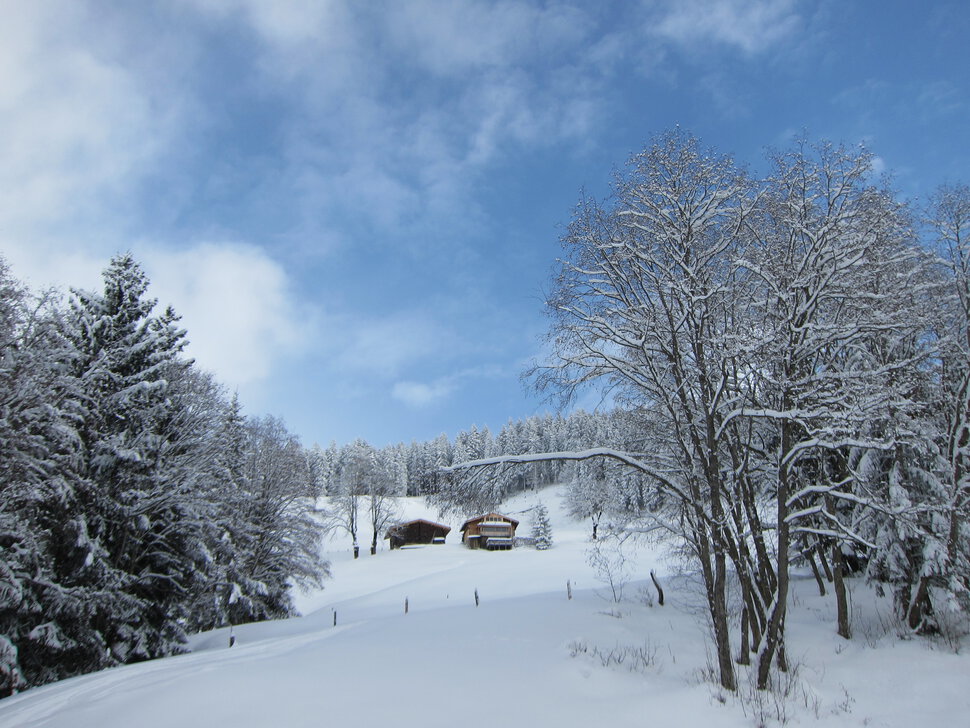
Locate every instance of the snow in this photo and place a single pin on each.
(526, 651)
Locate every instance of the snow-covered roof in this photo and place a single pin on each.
(405, 524)
(490, 518)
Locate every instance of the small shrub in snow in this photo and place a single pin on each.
(609, 564)
(633, 658)
(787, 696)
(953, 627)
(645, 596)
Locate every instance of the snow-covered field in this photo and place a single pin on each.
(525, 656)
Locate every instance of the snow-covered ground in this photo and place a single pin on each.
(526, 655)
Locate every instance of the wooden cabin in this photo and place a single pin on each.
(493, 531)
(417, 532)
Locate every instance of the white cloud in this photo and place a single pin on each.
(751, 26)
(297, 39)
(235, 302)
(284, 22)
(416, 394)
(234, 299)
(78, 122)
(44, 264)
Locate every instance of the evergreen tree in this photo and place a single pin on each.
(136, 502)
(45, 605)
(541, 528)
(137, 512)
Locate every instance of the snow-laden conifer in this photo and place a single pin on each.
(541, 528)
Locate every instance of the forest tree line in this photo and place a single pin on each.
(363, 481)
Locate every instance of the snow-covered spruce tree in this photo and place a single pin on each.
(142, 526)
(541, 528)
(319, 470)
(590, 494)
(20, 481)
(260, 534)
(470, 494)
(46, 600)
(131, 506)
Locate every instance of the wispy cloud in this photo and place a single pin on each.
(383, 346)
(750, 26)
(454, 39)
(423, 394)
(396, 113)
(940, 98)
(418, 394)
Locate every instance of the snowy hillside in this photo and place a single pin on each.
(526, 655)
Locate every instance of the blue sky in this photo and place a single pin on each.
(356, 206)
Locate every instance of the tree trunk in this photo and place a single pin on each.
(820, 551)
(744, 655)
(782, 657)
(841, 597)
(774, 634)
(714, 587)
(809, 554)
(722, 635)
(920, 608)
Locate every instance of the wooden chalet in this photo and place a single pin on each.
(493, 531)
(416, 532)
